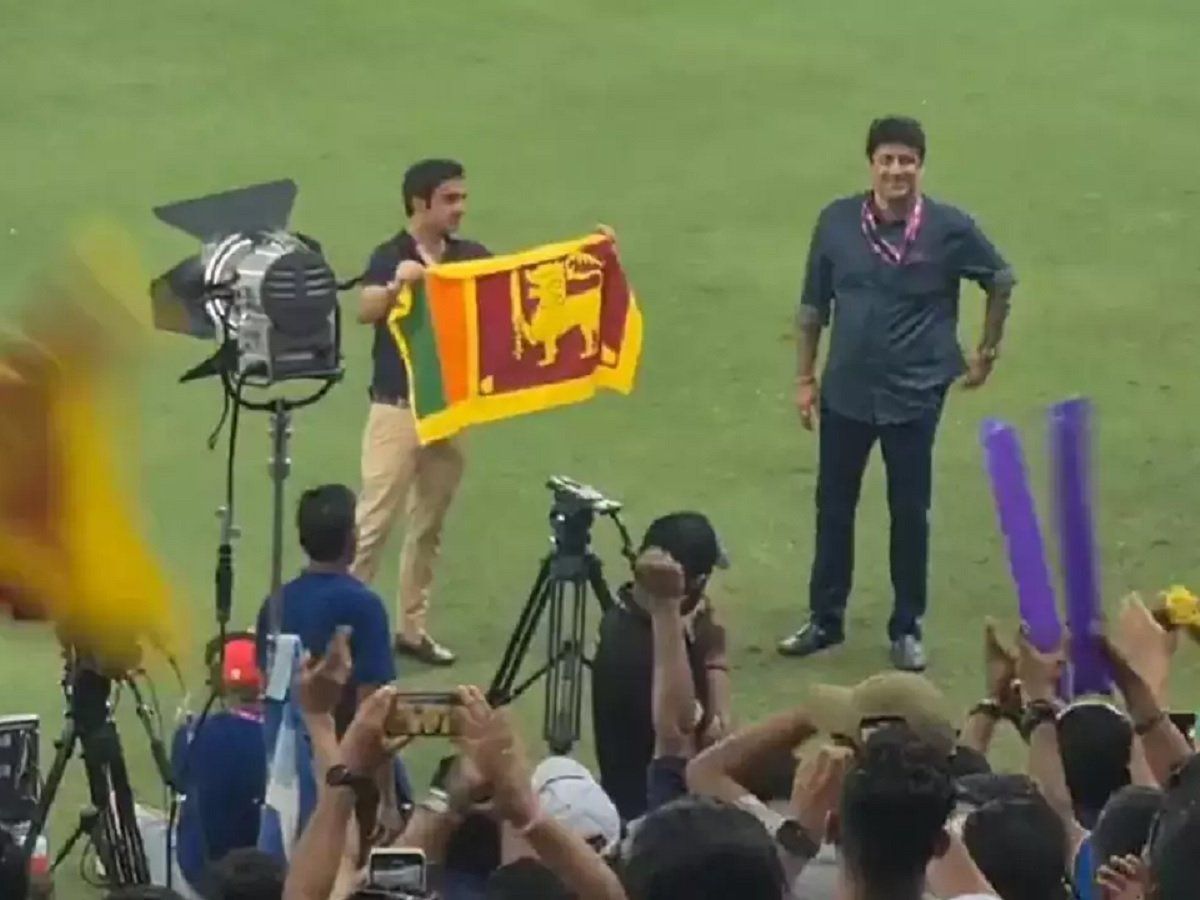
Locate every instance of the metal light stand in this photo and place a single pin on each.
(280, 467)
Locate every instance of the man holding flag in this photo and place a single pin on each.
(886, 266)
(398, 472)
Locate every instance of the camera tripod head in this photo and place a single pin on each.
(572, 513)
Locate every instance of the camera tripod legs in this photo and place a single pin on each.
(110, 819)
(560, 591)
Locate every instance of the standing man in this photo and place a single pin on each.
(398, 474)
(886, 264)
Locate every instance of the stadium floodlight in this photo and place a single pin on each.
(264, 293)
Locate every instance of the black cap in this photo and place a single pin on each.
(690, 538)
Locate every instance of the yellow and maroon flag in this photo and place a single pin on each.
(493, 338)
(71, 546)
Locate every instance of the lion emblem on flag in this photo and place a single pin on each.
(558, 310)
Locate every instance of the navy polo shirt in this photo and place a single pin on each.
(894, 345)
(390, 378)
(316, 603)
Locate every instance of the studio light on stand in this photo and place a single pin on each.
(269, 299)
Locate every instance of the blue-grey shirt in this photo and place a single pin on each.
(894, 346)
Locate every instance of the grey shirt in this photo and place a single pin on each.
(894, 346)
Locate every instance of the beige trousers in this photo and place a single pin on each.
(397, 471)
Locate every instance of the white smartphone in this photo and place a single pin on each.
(397, 869)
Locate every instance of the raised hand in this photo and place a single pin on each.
(1146, 645)
(366, 745)
(817, 789)
(659, 579)
(607, 231)
(491, 744)
(1122, 878)
(1039, 672)
(1000, 669)
(322, 680)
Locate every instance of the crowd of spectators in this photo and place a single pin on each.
(874, 791)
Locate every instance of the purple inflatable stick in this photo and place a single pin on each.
(1022, 533)
(1070, 451)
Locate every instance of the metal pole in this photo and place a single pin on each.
(280, 466)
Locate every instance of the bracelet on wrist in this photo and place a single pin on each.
(436, 801)
(988, 707)
(1037, 713)
(1143, 727)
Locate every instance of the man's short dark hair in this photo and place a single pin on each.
(894, 806)
(1175, 838)
(1124, 824)
(702, 849)
(425, 177)
(14, 868)
(1020, 845)
(975, 790)
(526, 879)
(1096, 743)
(246, 873)
(473, 848)
(967, 762)
(325, 520)
(902, 130)
(689, 537)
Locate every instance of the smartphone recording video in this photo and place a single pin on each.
(397, 869)
(428, 714)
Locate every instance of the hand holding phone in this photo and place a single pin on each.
(397, 869)
(424, 714)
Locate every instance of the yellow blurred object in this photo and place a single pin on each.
(1182, 606)
(70, 546)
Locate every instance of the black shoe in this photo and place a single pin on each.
(908, 655)
(808, 640)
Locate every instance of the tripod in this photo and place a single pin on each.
(109, 820)
(560, 592)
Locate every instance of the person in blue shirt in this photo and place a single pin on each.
(325, 597)
(322, 599)
(220, 768)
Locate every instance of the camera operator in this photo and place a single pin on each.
(623, 669)
(398, 473)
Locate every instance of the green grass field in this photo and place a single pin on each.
(709, 134)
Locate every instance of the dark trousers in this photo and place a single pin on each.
(845, 445)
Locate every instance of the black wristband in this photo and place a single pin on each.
(1145, 726)
(988, 707)
(1037, 713)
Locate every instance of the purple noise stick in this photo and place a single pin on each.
(1022, 534)
(1070, 448)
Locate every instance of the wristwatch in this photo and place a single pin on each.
(988, 354)
(341, 776)
(795, 839)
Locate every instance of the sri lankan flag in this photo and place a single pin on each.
(71, 549)
(493, 338)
